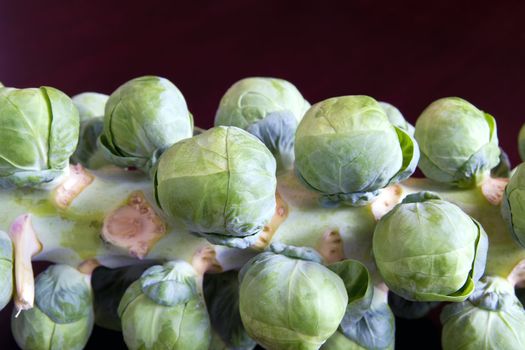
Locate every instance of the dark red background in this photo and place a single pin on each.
(407, 53)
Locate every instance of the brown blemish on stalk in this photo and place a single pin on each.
(135, 226)
(331, 246)
(387, 199)
(281, 213)
(493, 189)
(77, 180)
(205, 261)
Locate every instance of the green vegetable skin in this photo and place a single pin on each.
(284, 225)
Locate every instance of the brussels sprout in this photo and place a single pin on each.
(39, 133)
(221, 183)
(221, 292)
(6, 269)
(521, 143)
(428, 249)
(268, 108)
(513, 204)
(396, 118)
(90, 105)
(346, 149)
(492, 318)
(288, 301)
(63, 315)
(458, 142)
(163, 309)
(142, 118)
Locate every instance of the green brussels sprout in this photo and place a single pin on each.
(88, 152)
(39, 134)
(428, 249)
(396, 118)
(251, 99)
(163, 310)
(220, 183)
(268, 108)
(143, 118)
(346, 149)
(513, 204)
(6, 269)
(288, 300)
(491, 318)
(90, 104)
(521, 143)
(458, 142)
(63, 315)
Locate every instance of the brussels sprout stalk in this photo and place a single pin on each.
(71, 235)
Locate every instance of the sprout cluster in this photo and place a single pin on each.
(285, 225)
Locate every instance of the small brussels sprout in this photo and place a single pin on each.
(513, 204)
(163, 309)
(458, 142)
(63, 315)
(39, 134)
(220, 183)
(521, 143)
(491, 318)
(428, 249)
(90, 105)
(289, 301)
(396, 118)
(346, 149)
(142, 118)
(268, 108)
(6, 269)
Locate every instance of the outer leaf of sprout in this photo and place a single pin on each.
(396, 118)
(513, 204)
(521, 143)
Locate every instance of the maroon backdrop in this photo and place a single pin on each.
(405, 53)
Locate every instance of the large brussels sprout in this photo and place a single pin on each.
(63, 315)
(521, 143)
(513, 204)
(6, 269)
(491, 318)
(221, 183)
(90, 104)
(289, 300)
(396, 118)
(428, 249)
(458, 142)
(163, 310)
(39, 133)
(268, 108)
(142, 118)
(347, 149)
